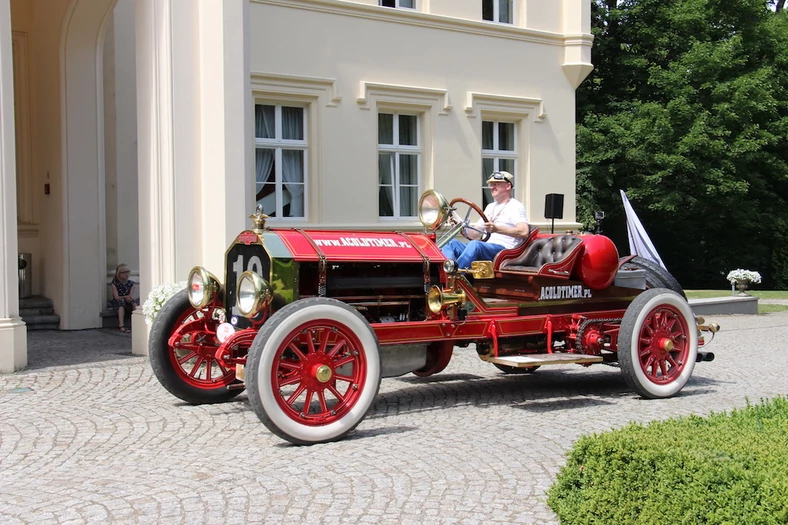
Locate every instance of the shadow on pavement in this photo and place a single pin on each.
(52, 348)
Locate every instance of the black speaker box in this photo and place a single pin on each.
(554, 206)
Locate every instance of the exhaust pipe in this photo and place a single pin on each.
(705, 356)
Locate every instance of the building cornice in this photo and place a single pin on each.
(431, 21)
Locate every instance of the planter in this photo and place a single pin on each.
(742, 286)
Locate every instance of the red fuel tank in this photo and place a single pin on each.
(598, 265)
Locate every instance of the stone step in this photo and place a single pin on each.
(42, 322)
(32, 312)
(35, 301)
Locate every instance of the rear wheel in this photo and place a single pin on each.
(182, 350)
(656, 275)
(657, 343)
(313, 371)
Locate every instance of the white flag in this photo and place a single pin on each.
(639, 243)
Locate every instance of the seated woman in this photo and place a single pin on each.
(508, 225)
(122, 295)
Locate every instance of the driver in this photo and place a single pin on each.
(508, 225)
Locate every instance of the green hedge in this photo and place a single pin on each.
(726, 468)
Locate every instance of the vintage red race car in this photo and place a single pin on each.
(308, 322)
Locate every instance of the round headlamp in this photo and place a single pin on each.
(450, 266)
(202, 287)
(254, 294)
(433, 209)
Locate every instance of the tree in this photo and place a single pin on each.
(687, 111)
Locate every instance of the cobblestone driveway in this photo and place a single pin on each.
(102, 442)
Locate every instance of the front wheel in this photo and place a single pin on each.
(182, 350)
(313, 371)
(658, 343)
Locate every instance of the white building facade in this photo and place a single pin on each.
(145, 131)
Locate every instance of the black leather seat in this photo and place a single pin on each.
(546, 250)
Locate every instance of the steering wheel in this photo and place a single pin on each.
(466, 222)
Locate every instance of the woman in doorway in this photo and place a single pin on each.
(123, 295)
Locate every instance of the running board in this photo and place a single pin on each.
(525, 361)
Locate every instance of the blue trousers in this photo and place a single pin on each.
(465, 254)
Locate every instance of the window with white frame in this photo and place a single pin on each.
(280, 159)
(411, 4)
(497, 11)
(399, 159)
(499, 152)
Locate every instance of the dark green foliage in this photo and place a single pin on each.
(687, 111)
(723, 469)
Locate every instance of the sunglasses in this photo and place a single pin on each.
(499, 176)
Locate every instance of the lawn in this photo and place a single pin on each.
(761, 294)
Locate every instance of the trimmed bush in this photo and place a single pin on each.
(722, 469)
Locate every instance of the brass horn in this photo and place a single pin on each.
(437, 299)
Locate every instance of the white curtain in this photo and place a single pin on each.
(386, 166)
(264, 168)
(408, 184)
(293, 160)
(264, 128)
(385, 174)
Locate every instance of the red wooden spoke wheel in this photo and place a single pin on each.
(658, 343)
(182, 351)
(193, 351)
(317, 372)
(313, 371)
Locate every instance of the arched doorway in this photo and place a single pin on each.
(94, 227)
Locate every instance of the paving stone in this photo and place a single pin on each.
(87, 435)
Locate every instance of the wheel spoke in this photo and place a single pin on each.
(342, 362)
(307, 402)
(297, 351)
(187, 357)
(196, 367)
(325, 335)
(321, 396)
(651, 363)
(337, 347)
(310, 342)
(300, 390)
(335, 393)
(293, 379)
(289, 365)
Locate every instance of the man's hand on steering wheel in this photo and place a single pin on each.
(483, 233)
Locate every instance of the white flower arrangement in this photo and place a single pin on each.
(157, 297)
(744, 276)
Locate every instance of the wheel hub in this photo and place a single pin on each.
(323, 373)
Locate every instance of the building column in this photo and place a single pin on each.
(193, 127)
(13, 334)
(227, 116)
